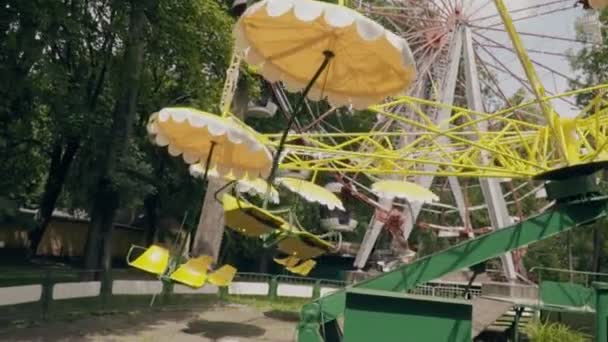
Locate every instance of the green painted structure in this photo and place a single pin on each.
(430, 318)
(567, 295)
(601, 312)
(578, 202)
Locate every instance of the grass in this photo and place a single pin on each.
(24, 315)
(285, 304)
(538, 331)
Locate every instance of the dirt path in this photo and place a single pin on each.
(230, 323)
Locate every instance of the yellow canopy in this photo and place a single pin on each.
(402, 189)
(287, 40)
(312, 192)
(256, 186)
(253, 221)
(192, 133)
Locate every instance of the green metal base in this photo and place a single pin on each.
(573, 189)
(573, 171)
(601, 311)
(577, 204)
(385, 316)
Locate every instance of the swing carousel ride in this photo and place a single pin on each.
(440, 85)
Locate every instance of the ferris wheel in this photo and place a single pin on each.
(466, 58)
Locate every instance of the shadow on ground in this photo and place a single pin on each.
(101, 325)
(285, 316)
(218, 329)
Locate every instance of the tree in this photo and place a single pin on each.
(591, 63)
(21, 121)
(193, 77)
(72, 78)
(106, 195)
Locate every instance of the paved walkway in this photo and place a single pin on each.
(231, 323)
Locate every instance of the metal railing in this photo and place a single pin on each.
(446, 291)
(58, 293)
(566, 290)
(53, 293)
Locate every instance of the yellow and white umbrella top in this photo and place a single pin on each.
(312, 192)
(286, 41)
(192, 133)
(412, 192)
(256, 186)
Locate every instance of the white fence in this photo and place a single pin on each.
(244, 285)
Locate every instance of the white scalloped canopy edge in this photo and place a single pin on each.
(242, 185)
(388, 194)
(332, 202)
(410, 197)
(216, 126)
(333, 15)
(246, 187)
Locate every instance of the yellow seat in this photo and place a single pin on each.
(154, 260)
(223, 276)
(303, 245)
(304, 268)
(193, 272)
(290, 261)
(248, 219)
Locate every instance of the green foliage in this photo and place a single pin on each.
(61, 66)
(591, 61)
(538, 331)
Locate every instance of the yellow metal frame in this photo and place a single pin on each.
(511, 147)
(516, 148)
(553, 120)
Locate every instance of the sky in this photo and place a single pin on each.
(559, 24)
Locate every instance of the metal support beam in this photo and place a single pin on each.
(601, 311)
(446, 97)
(448, 90)
(565, 215)
(537, 86)
(518, 312)
(371, 236)
(458, 194)
(492, 192)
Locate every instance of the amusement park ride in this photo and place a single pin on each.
(332, 52)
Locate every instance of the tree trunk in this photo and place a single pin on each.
(210, 229)
(265, 262)
(98, 246)
(106, 201)
(150, 206)
(61, 160)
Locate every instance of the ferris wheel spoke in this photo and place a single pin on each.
(523, 9)
(503, 68)
(480, 9)
(532, 16)
(531, 34)
(537, 63)
(404, 16)
(534, 51)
